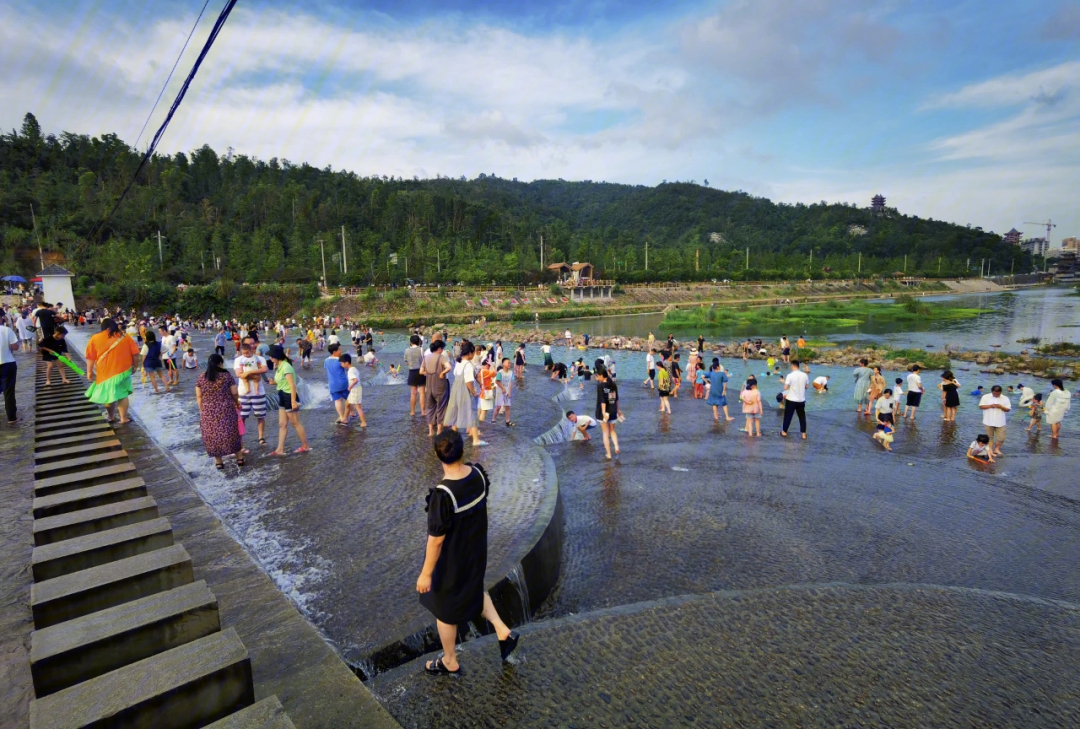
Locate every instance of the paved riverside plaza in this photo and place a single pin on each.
(706, 578)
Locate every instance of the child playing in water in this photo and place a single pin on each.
(1035, 412)
(884, 435)
(394, 370)
(980, 449)
(504, 380)
(751, 407)
(699, 381)
(356, 390)
(191, 362)
(487, 389)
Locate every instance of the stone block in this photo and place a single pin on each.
(80, 463)
(41, 422)
(189, 686)
(82, 553)
(266, 714)
(101, 587)
(87, 647)
(75, 451)
(89, 521)
(89, 497)
(43, 443)
(82, 479)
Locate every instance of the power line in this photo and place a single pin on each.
(171, 72)
(172, 110)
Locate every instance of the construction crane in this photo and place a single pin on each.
(1049, 224)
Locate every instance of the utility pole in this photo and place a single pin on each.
(811, 258)
(905, 263)
(160, 257)
(202, 260)
(747, 259)
(939, 266)
(41, 255)
(541, 253)
(646, 254)
(322, 251)
(697, 260)
(860, 263)
(438, 260)
(344, 262)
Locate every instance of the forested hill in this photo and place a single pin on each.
(231, 216)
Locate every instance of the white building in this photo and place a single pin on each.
(56, 286)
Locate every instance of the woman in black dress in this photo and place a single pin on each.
(451, 583)
(950, 389)
(607, 407)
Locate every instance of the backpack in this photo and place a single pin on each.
(663, 379)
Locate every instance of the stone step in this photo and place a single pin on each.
(52, 399)
(94, 434)
(89, 497)
(266, 714)
(59, 454)
(72, 409)
(64, 422)
(87, 591)
(80, 463)
(82, 479)
(64, 416)
(81, 553)
(56, 389)
(102, 429)
(87, 647)
(79, 523)
(51, 407)
(189, 686)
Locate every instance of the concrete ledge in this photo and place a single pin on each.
(75, 421)
(267, 714)
(89, 497)
(98, 588)
(90, 477)
(82, 553)
(44, 444)
(60, 454)
(60, 419)
(82, 649)
(190, 686)
(67, 408)
(74, 430)
(90, 521)
(73, 465)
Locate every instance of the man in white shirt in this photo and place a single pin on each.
(821, 383)
(914, 392)
(994, 407)
(9, 345)
(581, 424)
(569, 339)
(650, 367)
(249, 368)
(548, 361)
(795, 398)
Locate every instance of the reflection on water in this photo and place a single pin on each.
(1052, 314)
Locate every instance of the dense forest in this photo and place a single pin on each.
(231, 217)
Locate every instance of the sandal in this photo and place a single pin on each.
(506, 647)
(262, 441)
(277, 453)
(219, 466)
(302, 449)
(239, 461)
(436, 668)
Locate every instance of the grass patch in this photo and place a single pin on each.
(832, 313)
(1060, 348)
(929, 360)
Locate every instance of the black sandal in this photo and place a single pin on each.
(262, 441)
(239, 461)
(219, 466)
(438, 669)
(506, 647)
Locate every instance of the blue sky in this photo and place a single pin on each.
(962, 111)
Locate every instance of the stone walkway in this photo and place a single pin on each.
(815, 656)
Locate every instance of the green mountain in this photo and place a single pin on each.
(230, 216)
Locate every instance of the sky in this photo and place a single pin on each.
(959, 110)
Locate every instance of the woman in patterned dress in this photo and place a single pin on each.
(215, 391)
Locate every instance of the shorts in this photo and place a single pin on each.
(336, 395)
(787, 350)
(664, 393)
(148, 368)
(996, 433)
(285, 400)
(253, 405)
(885, 437)
(356, 396)
(169, 364)
(913, 399)
(416, 379)
(885, 418)
(652, 374)
(753, 416)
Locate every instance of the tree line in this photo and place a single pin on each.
(233, 217)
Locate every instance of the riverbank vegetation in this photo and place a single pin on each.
(233, 217)
(828, 314)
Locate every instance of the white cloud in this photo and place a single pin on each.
(1045, 87)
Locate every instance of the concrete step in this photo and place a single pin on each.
(54, 400)
(89, 497)
(81, 463)
(81, 553)
(73, 524)
(76, 451)
(58, 407)
(87, 647)
(94, 434)
(187, 687)
(89, 477)
(64, 422)
(266, 714)
(63, 417)
(98, 588)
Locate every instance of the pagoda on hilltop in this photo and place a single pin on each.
(877, 204)
(1013, 237)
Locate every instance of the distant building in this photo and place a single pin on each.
(1067, 271)
(1035, 246)
(1013, 237)
(877, 203)
(1071, 244)
(576, 274)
